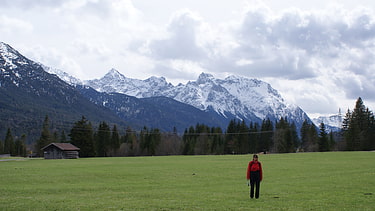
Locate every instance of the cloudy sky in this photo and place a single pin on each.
(318, 54)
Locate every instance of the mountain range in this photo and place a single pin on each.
(251, 100)
(30, 90)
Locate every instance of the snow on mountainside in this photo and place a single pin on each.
(62, 75)
(232, 97)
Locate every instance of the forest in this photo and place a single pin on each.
(357, 134)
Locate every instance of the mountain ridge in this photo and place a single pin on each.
(240, 97)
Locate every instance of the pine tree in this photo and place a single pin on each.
(309, 137)
(115, 141)
(9, 143)
(323, 138)
(217, 146)
(358, 128)
(313, 140)
(131, 142)
(231, 137)
(20, 146)
(202, 139)
(285, 137)
(369, 134)
(103, 138)
(331, 141)
(55, 137)
(357, 124)
(243, 138)
(150, 139)
(189, 140)
(155, 140)
(1, 147)
(295, 142)
(81, 135)
(280, 136)
(265, 140)
(254, 141)
(346, 121)
(63, 138)
(45, 137)
(305, 135)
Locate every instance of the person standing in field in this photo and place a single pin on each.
(254, 176)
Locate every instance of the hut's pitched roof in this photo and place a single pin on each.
(63, 146)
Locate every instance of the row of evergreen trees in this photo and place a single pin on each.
(239, 138)
(14, 146)
(358, 133)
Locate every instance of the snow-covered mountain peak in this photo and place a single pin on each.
(6, 49)
(157, 81)
(9, 57)
(204, 78)
(114, 74)
(3, 47)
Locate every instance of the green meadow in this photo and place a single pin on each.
(299, 181)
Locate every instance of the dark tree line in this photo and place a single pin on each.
(239, 138)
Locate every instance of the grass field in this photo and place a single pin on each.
(303, 181)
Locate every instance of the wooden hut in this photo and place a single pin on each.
(60, 151)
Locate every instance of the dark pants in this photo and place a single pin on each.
(254, 183)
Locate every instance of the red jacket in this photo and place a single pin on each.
(254, 166)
